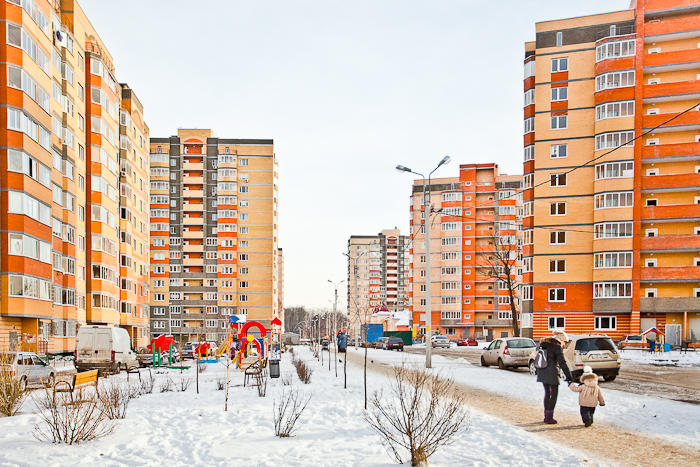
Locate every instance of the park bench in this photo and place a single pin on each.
(692, 346)
(257, 370)
(79, 381)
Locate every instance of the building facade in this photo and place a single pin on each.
(475, 220)
(60, 158)
(213, 234)
(378, 275)
(612, 150)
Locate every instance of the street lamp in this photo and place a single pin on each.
(335, 338)
(426, 223)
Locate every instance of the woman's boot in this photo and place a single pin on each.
(549, 417)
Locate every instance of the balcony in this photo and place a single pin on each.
(666, 304)
(671, 274)
(193, 166)
(667, 92)
(193, 262)
(189, 180)
(193, 248)
(193, 220)
(671, 61)
(671, 243)
(687, 121)
(677, 182)
(193, 207)
(192, 193)
(193, 234)
(652, 152)
(678, 211)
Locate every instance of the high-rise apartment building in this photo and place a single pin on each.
(378, 274)
(612, 172)
(60, 161)
(213, 233)
(475, 220)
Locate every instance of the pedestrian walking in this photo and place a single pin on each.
(589, 395)
(550, 359)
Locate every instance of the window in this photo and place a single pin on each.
(557, 237)
(557, 208)
(612, 230)
(651, 202)
(242, 298)
(557, 322)
(650, 262)
(529, 97)
(560, 93)
(557, 265)
(612, 289)
(560, 64)
(527, 292)
(529, 124)
(614, 110)
(557, 179)
(557, 295)
(614, 200)
(615, 259)
(652, 232)
(614, 170)
(529, 69)
(558, 122)
(450, 196)
(558, 151)
(607, 323)
(615, 49)
(529, 153)
(560, 38)
(615, 79)
(650, 293)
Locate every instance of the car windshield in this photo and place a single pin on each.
(595, 343)
(634, 338)
(395, 340)
(520, 343)
(440, 338)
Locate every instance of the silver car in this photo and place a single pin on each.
(441, 341)
(508, 352)
(30, 369)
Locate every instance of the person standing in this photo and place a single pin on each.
(589, 395)
(549, 374)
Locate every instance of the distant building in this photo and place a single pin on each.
(472, 215)
(613, 246)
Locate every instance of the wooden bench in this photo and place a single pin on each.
(79, 381)
(256, 369)
(692, 346)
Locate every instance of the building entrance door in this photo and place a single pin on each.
(673, 334)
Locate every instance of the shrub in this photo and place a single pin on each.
(422, 413)
(11, 393)
(303, 371)
(184, 383)
(147, 384)
(201, 367)
(287, 410)
(167, 385)
(220, 384)
(71, 419)
(114, 398)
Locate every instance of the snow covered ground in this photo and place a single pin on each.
(675, 357)
(185, 428)
(647, 414)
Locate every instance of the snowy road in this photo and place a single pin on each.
(662, 379)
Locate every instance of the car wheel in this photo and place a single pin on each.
(501, 365)
(483, 362)
(23, 384)
(610, 377)
(531, 367)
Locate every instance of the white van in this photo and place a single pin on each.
(106, 348)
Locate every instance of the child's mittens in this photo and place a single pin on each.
(602, 405)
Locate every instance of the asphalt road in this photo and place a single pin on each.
(666, 381)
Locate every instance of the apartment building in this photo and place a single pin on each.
(59, 158)
(378, 275)
(475, 220)
(612, 172)
(214, 233)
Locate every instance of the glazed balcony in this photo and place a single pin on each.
(671, 61)
(671, 182)
(665, 92)
(677, 211)
(670, 150)
(670, 273)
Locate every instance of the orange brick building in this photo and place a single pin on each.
(614, 246)
(470, 213)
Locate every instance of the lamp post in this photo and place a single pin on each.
(335, 336)
(426, 223)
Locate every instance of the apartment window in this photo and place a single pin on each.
(557, 237)
(557, 179)
(243, 257)
(529, 153)
(615, 259)
(243, 189)
(242, 298)
(527, 292)
(650, 262)
(650, 293)
(557, 208)
(612, 289)
(651, 202)
(614, 110)
(560, 64)
(556, 322)
(612, 230)
(243, 162)
(558, 122)
(615, 79)
(557, 265)
(615, 49)
(560, 38)
(175, 323)
(614, 200)
(529, 125)
(652, 232)
(560, 93)
(614, 170)
(557, 151)
(557, 295)
(613, 139)
(529, 97)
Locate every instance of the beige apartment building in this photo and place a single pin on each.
(214, 234)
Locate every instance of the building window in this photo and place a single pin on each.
(557, 237)
(557, 295)
(557, 322)
(558, 122)
(605, 323)
(560, 38)
(612, 290)
(560, 64)
(560, 93)
(557, 265)
(557, 179)
(557, 208)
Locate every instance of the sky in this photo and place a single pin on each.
(347, 90)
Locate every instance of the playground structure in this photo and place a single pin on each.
(158, 348)
(660, 344)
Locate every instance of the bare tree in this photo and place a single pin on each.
(12, 392)
(287, 410)
(71, 419)
(421, 413)
(500, 264)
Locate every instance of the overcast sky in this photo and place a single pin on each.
(347, 89)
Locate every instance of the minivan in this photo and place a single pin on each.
(105, 348)
(29, 368)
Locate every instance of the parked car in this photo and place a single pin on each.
(633, 341)
(440, 341)
(467, 341)
(105, 348)
(510, 352)
(325, 344)
(594, 350)
(29, 368)
(379, 343)
(393, 343)
(188, 349)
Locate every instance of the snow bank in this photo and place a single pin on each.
(688, 359)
